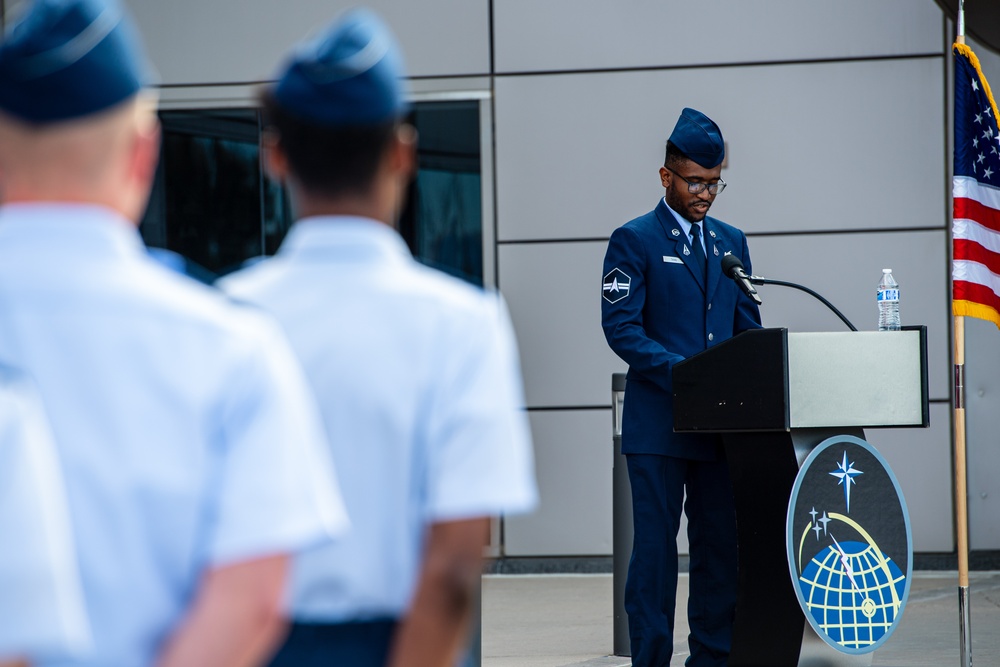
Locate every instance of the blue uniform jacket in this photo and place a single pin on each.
(657, 310)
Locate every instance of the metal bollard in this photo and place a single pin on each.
(621, 510)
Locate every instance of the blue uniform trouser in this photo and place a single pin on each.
(658, 486)
(356, 644)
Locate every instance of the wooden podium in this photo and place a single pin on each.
(773, 396)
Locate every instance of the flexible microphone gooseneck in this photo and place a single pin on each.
(733, 267)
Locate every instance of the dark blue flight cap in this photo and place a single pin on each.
(697, 136)
(70, 58)
(352, 74)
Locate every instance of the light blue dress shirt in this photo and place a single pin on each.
(686, 227)
(418, 379)
(187, 432)
(41, 603)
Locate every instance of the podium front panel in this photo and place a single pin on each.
(857, 379)
(739, 385)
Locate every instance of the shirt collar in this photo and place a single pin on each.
(67, 228)
(343, 237)
(685, 225)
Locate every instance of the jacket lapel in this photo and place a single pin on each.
(673, 233)
(714, 256)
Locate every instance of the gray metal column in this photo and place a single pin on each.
(621, 511)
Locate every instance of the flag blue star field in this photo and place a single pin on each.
(976, 193)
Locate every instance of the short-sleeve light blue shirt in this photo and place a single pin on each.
(187, 432)
(41, 603)
(419, 383)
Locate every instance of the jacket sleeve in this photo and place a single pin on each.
(747, 312)
(622, 310)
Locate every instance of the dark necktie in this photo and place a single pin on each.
(699, 252)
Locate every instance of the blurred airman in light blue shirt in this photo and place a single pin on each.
(194, 454)
(416, 372)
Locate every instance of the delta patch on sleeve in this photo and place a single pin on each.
(616, 285)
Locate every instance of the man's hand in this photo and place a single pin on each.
(434, 629)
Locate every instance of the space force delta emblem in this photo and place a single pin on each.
(849, 545)
(616, 285)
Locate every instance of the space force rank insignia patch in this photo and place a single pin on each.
(616, 285)
(850, 549)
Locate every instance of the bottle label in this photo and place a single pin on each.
(888, 295)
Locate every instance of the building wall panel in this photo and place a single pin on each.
(591, 34)
(573, 458)
(234, 41)
(554, 293)
(810, 147)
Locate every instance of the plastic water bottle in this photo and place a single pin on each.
(888, 302)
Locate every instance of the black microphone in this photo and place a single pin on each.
(733, 267)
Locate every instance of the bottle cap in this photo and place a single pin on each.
(886, 270)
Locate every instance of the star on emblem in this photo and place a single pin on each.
(846, 472)
(981, 158)
(988, 172)
(979, 118)
(825, 520)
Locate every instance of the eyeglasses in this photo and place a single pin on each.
(698, 188)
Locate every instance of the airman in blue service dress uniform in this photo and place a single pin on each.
(416, 372)
(193, 452)
(665, 299)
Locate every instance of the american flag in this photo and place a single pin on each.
(976, 193)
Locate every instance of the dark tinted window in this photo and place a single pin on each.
(443, 220)
(213, 203)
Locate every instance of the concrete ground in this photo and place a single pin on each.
(566, 621)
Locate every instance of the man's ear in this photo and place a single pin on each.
(403, 159)
(137, 170)
(134, 170)
(665, 177)
(275, 160)
(146, 153)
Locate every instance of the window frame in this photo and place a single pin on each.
(462, 89)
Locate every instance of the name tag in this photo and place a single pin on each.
(670, 259)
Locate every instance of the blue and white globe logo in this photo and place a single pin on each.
(849, 545)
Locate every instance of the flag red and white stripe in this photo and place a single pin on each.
(976, 239)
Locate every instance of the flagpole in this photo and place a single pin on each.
(961, 498)
(961, 473)
(961, 22)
